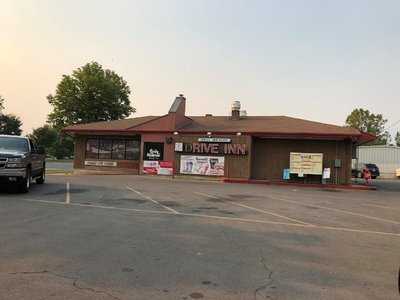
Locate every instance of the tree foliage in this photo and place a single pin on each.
(90, 94)
(365, 121)
(9, 124)
(45, 136)
(1, 103)
(397, 139)
(49, 138)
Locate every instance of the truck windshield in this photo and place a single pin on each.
(13, 144)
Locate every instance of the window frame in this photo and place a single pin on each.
(113, 141)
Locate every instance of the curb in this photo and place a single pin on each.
(305, 185)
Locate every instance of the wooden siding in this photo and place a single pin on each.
(271, 156)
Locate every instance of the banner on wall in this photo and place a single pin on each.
(202, 165)
(154, 167)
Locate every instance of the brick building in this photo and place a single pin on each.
(237, 146)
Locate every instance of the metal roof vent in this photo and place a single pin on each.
(235, 105)
(235, 110)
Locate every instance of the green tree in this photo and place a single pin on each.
(63, 148)
(1, 103)
(90, 94)
(365, 121)
(45, 136)
(10, 124)
(55, 145)
(397, 139)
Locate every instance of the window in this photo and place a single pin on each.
(132, 150)
(92, 148)
(105, 147)
(116, 149)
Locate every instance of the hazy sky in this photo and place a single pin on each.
(311, 59)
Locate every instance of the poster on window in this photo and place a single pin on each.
(153, 167)
(153, 151)
(202, 165)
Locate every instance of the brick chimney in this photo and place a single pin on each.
(177, 112)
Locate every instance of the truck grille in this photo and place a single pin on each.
(3, 162)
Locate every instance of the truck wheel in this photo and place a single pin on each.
(42, 178)
(25, 183)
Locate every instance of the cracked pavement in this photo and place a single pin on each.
(110, 243)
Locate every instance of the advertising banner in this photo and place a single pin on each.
(306, 163)
(154, 167)
(153, 151)
(202, 165)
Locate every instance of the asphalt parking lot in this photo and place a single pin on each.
(130, 237)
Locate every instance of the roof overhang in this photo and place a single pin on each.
(366, 137)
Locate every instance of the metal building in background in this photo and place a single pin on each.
(387, 158)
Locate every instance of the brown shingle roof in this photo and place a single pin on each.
(266, 124)
(111, 125)
(223, 124)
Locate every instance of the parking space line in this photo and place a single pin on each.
(254, 208)
(152, 200)
(380, 206)
(67, 193)
(101, 206)
(336, 210)
(343, 229)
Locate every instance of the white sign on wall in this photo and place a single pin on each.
(99, 163)
(214, 140)
(202, 165)
(306, 163)
(178, 147)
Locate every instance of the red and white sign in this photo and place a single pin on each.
(154, 167)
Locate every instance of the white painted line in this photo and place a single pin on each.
(337, 210)
(222, 218)
(255, 209)
(101, 206)
(152, 200)
(380, 206)
(68, 194)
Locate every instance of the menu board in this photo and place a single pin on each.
(306, 163)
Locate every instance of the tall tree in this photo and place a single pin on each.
(45, 136)
(49, 138)
(365, 121)
(1, 103)
(397, 139)
(90, 94)
(9, 124)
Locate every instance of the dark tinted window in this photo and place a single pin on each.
(132, 150)
(92, 148)
(116, 149)
(105, 147)
(14, 144)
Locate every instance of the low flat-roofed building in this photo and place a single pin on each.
(237, 146)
